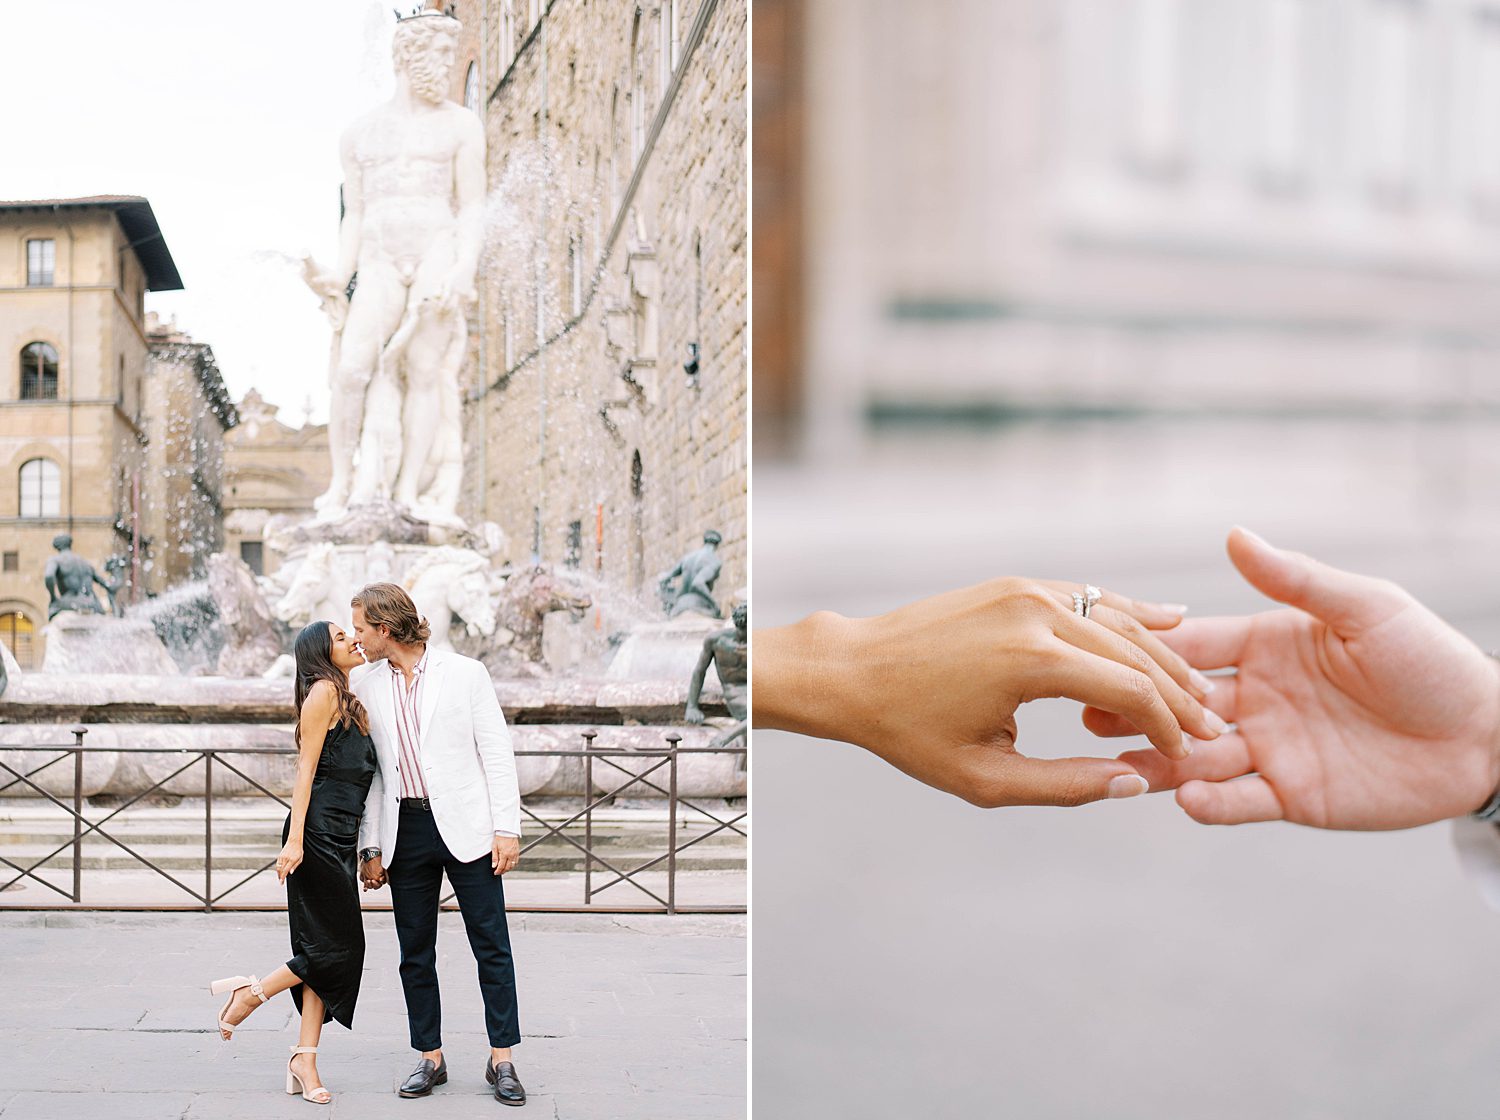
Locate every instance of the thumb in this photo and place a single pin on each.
(1067, 781)
(1348, 602)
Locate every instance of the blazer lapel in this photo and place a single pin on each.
(382, 701)
(431, 687)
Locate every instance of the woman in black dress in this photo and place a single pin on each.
(335, 765)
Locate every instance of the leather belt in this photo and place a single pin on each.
(421, 803)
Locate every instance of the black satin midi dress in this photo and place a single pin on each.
(322, 895)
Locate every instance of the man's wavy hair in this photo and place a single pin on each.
(388, 604)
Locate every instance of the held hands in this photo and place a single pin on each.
(933, 687)
(372, 873)
(289, 860)
(505, 854)
(1361, 709)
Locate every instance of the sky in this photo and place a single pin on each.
(226, 116)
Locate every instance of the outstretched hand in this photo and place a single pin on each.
(1359, 709)
(932, 688)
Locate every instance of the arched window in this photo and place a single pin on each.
(41, 488)
(16, 631)
(471, 89)
(38, 372)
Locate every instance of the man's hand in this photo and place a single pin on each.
(372, 874)
(1359, 710)
(933, 687)
(505, 854)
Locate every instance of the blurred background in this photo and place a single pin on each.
(1067, 288)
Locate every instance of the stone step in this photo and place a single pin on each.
(269, 838)
(558, 857)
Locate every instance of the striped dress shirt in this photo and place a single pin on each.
(409, 726)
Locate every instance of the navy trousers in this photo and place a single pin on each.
(416, 878)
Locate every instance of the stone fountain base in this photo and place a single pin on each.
(136, 723)
(663, 650)
(89, 644)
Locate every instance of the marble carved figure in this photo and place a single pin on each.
(411, 236)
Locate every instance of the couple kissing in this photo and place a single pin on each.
(404, 771)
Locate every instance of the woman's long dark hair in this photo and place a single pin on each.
(313, 650)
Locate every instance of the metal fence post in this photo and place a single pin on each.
(588, 816)
(672, 740)
(78, 734)
(208, 831)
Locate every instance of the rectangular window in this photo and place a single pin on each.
(12, 562)
(573, 553)
(253, 553)
(41, 489)
(41, 260)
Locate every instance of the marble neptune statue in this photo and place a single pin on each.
(411, 235)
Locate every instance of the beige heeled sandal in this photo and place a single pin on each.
(294, 1083)
(232, 984)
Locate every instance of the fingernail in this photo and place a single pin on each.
(1200, 682)
(1174, 608)
(1215, 721)
(1127, 785)
(1254, 536)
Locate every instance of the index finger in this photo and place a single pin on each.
(1101, 683)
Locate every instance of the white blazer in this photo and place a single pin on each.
(467, 760)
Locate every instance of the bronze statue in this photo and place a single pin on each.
(698, 570)
(70, 581)
(726, 651)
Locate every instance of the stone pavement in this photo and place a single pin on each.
(623, 1017)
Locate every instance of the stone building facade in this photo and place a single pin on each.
(187, 412)
(609, 372)
(271, 470)
(1037, 206)
(73, 365)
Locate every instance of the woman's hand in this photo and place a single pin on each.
(289, 860)
(933, 687)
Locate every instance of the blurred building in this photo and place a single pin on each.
(1045, 207)
(270, 470)
(187, 412)
(73, 427)
(609, 372)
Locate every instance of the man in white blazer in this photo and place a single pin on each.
(445, 798)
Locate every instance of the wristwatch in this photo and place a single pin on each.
(1490, 810)
(367, 854)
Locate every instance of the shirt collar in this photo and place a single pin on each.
(416, 670)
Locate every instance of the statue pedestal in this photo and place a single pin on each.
(97, 643)
(664, 650)
(373, 523)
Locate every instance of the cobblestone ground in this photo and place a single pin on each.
(110, 1016)
(1115, 961)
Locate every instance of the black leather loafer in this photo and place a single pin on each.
(425, 1078)
(508, 1087)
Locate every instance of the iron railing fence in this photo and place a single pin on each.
(596, 865)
